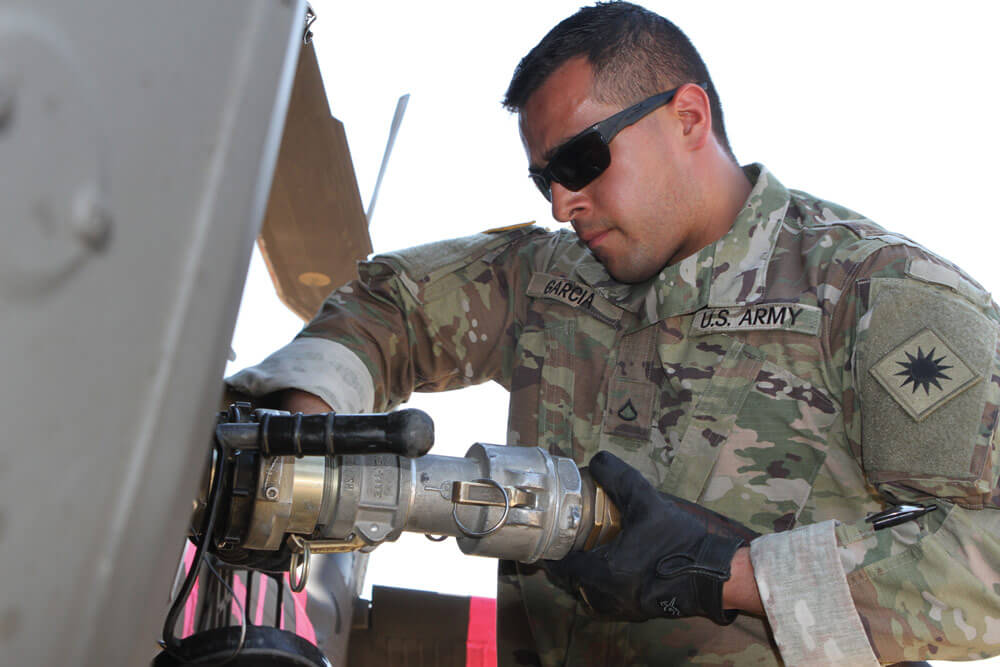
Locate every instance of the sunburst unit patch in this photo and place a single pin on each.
(923, 374)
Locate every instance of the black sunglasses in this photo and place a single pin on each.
(585, 157)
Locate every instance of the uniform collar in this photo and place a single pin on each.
(730, 272)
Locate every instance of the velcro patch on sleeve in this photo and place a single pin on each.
(923, 374)
(924, 359)
(793, 317)
(572, 293)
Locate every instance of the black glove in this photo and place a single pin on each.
(670, 559)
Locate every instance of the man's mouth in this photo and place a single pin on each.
(593, 239)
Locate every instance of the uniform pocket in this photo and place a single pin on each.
(755, 441)
(547, 368)
(631, 392)
(712, 420)
(777, 445)
(555, 414)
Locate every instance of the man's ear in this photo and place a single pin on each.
(695, 114)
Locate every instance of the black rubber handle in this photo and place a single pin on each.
(408, 433)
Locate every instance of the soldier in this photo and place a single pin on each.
(795, 410)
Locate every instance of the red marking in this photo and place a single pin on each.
(303, 626)
(241, 594)
(481, 642)
(192, 602)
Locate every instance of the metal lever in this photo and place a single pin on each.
(484, 492)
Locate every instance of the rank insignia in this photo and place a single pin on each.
(627, 412)
(923, 374)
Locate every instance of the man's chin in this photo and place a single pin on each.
(628, 275)
(622, 271)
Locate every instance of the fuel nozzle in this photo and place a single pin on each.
(326, 483)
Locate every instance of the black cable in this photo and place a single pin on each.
(279, 600)
(248, 595)
(243, 616)
(170, 643)
(244, 621)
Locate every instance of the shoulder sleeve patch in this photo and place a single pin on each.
(926, 367)
(923, 374)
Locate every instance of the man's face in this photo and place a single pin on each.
(640, 214)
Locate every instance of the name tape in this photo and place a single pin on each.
(572, 294)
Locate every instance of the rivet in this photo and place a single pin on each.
(91, 220)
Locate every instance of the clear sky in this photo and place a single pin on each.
(887, 107)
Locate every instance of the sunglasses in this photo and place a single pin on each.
(585, 157)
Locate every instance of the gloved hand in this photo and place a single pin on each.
(670, 559)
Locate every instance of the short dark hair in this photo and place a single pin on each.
(634, 53)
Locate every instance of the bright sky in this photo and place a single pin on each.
(887, 107)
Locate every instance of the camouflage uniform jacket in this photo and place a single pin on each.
(804, 371)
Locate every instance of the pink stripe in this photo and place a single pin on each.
(240, 590)
(303, 626)
(192, 601)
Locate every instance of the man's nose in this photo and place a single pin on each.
(567, 204)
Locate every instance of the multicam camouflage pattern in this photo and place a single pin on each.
(700, 379)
